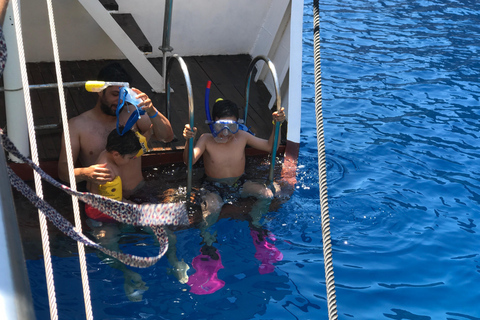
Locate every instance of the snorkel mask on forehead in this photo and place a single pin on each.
(127, 95)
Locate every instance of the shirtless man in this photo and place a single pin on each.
(89, 131)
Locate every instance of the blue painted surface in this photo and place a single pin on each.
(401, 107)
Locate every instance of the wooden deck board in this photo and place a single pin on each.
(227, 74)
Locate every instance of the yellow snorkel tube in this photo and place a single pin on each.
(97, 86)
(143, 143)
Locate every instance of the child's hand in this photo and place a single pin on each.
(189, 133)
(279, 116)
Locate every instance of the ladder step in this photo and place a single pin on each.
(131, 28)
(110, 5)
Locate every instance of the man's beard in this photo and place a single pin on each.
(107, 110)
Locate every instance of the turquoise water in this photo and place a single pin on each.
(401, 107)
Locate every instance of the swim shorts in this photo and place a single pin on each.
(97, 215)
(229, 189)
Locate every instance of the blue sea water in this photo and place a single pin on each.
(401, 108)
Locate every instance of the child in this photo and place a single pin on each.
(223, 153)
(118, 153)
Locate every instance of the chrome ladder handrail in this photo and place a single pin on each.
(273, 71)
(188, 83)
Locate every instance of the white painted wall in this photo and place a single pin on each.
(199, 28)
(79, 36)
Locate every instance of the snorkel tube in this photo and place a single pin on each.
(207, 108)
(209, 120)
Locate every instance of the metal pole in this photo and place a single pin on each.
(15, 297)
(167, 27)
(271, 66)
(14, 98)
(188, 84)
(49, 86)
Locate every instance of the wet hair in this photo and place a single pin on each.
(126, 144)
(114, 72)
(224, 108)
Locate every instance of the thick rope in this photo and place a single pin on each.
(33, 147)
(322, 170)
(68, 150)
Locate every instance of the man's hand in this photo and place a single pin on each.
(98, 173)
(146, 103)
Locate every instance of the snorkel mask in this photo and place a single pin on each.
(221, 128)
(127, 95)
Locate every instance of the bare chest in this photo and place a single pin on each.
(93, 140)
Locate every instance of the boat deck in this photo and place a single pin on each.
(227, 74)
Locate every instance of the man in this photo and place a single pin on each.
(89, 131)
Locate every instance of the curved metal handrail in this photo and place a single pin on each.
(273, 71)
(184, 68)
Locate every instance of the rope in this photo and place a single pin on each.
(322, 170)
(152, 215)
(33, 146)
(68, 150)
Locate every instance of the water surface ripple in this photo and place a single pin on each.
(401, 107)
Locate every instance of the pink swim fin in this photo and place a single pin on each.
(205, 280)
(266, 253)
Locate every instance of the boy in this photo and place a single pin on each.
(223, 153)
(118, 153)
(117, 156)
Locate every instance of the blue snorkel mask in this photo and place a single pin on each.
(127, 95)
(216, 127)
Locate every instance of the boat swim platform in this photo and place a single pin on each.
(227, 73)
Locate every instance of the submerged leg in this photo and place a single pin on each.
(211, 207)
(266, 252)
(180, 268)
(264, 197)
(257, 190)
(108, 235)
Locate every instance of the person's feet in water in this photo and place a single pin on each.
(209, 238)
(134, 286)
(206, 264)
(266, 253)
(179, 271)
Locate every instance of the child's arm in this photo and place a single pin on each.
(198, 149)
(263, 144)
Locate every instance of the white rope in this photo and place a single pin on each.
(33, 146)
(68, 150)
(322, 170)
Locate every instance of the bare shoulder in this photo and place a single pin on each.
(205, 139)
(80, 120)
(244, 137)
